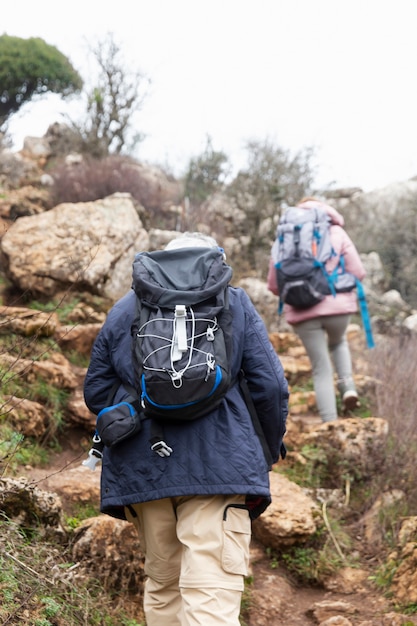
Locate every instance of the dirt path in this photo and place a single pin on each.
(276, 600)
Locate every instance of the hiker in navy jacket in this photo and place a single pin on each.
(193, 508)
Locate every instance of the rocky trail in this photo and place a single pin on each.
(276, 600)
(273, 597)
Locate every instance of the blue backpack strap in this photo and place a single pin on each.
(338, 271)
(365, 314)
(280, 301)
(331, 278)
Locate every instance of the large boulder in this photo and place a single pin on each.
(87, 245)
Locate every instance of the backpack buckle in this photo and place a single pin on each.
(161, 448)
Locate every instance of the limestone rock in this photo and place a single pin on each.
(78, 338)
(15, 170)
(352, 446)
(109, 550)
(371, 520)
(404, 583)
(348, 580)
(75, 486)
(27, 504)
(78, 413)
(30, 418)
(292, 517)
(86, 245)
(56, 370)
(219, 206)
(27, 322)
(27, 200)
(332, 609)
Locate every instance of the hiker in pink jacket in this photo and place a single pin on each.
(322, 328)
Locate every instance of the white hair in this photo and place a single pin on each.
(192, 240)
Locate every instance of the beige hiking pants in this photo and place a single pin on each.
(196, 556)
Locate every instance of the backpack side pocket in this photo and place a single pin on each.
(117, 422)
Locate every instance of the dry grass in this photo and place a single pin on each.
(393, 364)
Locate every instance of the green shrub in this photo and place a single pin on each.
(322, 556)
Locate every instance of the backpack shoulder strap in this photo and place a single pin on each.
(365, 314)
(255, 419)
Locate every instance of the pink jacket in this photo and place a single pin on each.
(342, 303)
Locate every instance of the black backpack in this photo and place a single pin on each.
(182, 341)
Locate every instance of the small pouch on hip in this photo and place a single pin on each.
(117, 422)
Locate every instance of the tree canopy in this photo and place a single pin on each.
(30, 67)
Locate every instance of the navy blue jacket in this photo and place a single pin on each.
(218, 453)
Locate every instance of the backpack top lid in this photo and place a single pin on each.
(334, 216)
(185, 275)
(300, 215)
(304, 233)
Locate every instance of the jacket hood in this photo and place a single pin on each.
(334, 215)
(185, 275)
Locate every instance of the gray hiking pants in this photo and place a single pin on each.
(325, 341)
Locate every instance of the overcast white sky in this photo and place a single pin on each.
(339, 75)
